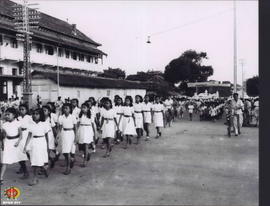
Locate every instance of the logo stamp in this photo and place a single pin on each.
(12, 194)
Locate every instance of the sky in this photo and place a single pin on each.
(122, 28)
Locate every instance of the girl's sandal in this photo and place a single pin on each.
(33, 183)
(67, 172)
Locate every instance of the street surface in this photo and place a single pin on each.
(193, 163)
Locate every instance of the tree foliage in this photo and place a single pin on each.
(253, 86)
(188, 67)
(145, 76)
(114, 73)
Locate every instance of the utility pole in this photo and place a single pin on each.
(24, 20)
(58, 78)
(242, 62)
(234, 47)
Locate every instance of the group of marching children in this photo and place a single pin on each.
(59, 128)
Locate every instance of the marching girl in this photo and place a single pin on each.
(38, 133)
(129, 127)
(96, 114)
(108, 122)
(86, 131)
(75, 108)
(68, 130)
(51, 134)
(147, 114)
(25, 120)
(158, 115)
(119, 113)
(138, 108)
(11, 140)
(54, 117)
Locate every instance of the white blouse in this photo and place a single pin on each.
(67, 122)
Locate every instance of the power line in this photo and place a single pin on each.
(191, 22)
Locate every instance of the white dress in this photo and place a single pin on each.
(12, 154)
(85, 131)
(25, 121)
(128, 121)
(158, 117)
(67, 136)
(51, 139)
(54, 117)
(38, 149)
(138, 108)
(147, 112)
(119, 112)
(108, 127)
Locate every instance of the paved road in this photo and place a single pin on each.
(194, 163)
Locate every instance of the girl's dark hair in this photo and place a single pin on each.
(130, 99)
(141, 99)
(160, 101)
(41, 114)
(88, 114)
(13, 111)
(67, 105)
(106, 99)
(77, 101)
(48, 108)
(116, 101)
(26, 107)
(52, 106)
(94, 102)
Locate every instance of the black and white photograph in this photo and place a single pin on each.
(134, 102)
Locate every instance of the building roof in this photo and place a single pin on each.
(207, 84)
(56, 29)
(71, 80)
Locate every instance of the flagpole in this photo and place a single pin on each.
(235, 48)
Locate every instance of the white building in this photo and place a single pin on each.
(55, 44)
(82, 87)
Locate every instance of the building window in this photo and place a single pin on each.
(1, 70)
(60, 52)
(14, 71)
(14, 44)
(108, 93)
(96, 60)
(88, 59)
(20, 71)
(49, 50)
(67, 54)
(74, 56)
(81, 57)
(39, 48)
(1, 40)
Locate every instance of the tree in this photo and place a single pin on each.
(253, 86)
(116, 73)
(188, 67)
(144, 76)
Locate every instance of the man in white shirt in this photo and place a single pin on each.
(237, 106)
(190, 110)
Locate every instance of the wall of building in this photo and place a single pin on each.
(47, 90)
(7, 52)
